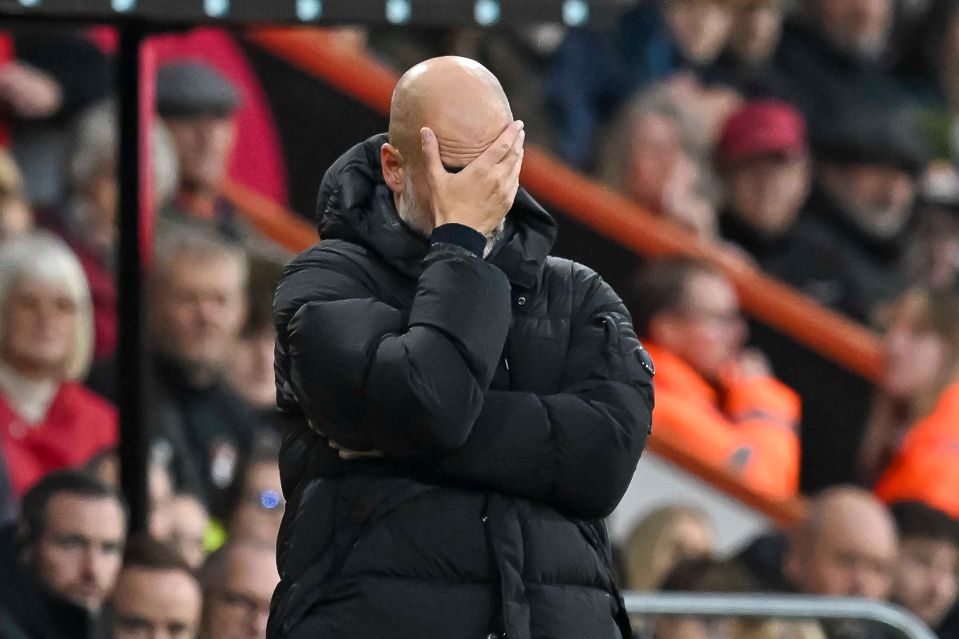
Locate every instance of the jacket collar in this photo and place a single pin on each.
(355, 205)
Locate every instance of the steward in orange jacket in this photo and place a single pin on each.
(748, 425)
(926, 467)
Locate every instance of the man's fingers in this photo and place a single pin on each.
(431, 154)
(502, 147)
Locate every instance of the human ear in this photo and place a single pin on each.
(394, 168)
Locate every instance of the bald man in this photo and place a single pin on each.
(846, 547)
(462, 409)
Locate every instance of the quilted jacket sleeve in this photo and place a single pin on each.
(370, 376)
(576, 449)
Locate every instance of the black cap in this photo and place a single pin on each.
(869, 135)
(188, 89)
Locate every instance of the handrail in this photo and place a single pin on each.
(777, 606)
(611, 213)
(275, 222)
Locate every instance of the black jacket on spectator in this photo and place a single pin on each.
(200, 434)
(206, 431)
(822, 80)
(511, 400)
(27, 611)
(827, 257)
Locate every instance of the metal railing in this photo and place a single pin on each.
(777, 606)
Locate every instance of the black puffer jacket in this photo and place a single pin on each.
(511, 399)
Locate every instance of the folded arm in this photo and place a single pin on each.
(576, 449)
(370, 376)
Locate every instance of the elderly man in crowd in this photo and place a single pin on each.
(60, 562)
(156, 595)
(851, 244)
(845, 547)
(238, 582)
(463, 409)
(198, 105)
(202, 428)
(199, 306)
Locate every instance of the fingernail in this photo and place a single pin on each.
(425, 134)
(521, 124)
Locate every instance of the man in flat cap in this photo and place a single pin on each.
(199, 106)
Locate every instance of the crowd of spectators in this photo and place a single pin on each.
(205, 565)
(815, 139)
(849, 544)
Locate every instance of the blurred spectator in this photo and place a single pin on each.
(764, 164)
(757, 28)
(238, 583)
(87, 219)
(198, 305)
(926, 573)
(710, 575)
(931, 69)
(921, 348)
(851, 244)
(47, 420)
(157, 595)
(198, 291)
(662, 539)
(593, 73)
(924, 376)
(715, 396)
(188, 528)
(845, 547)
(934, 253)
(250, 371)
(16, 216)
(830, 60)
(60, 562)
(257, 504)
(653, 156)
(198, 105)
(47, 76)
(106, 468)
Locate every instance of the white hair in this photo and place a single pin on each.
(45, 257)
(95, 150)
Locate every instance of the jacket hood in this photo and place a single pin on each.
(356, 205)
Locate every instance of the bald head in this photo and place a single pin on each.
(846, 546)
(459, 99)
(464, 106)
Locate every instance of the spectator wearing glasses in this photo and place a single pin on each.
(238, 583)
(59, 563)
(718, 398)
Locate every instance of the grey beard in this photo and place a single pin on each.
(420, 221)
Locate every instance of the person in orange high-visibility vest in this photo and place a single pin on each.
(916, 416)
(715, 398)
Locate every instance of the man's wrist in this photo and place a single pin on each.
(460, 235)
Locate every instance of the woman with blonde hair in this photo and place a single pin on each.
(47, 419)
(912, 440)
(662, 539)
